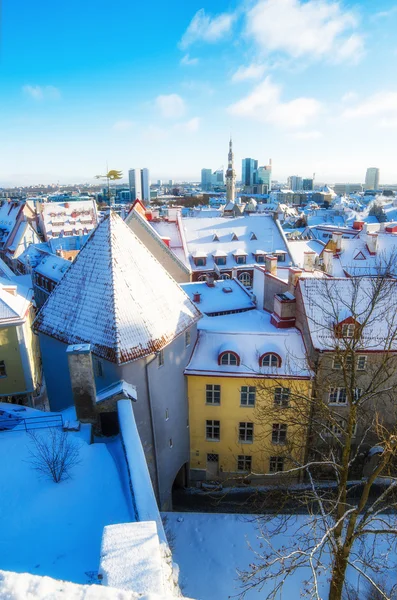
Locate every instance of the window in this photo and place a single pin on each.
(247, 395)
(213, 458)
(3, 372)
(171, 444)
(246, 432)
(361, 363)
(220, 260)
(276, 464)
(245, 279)
(213, 430)
(234, 237)
(253, 236)
(260, 258)
(279, 433)
(98, 371)
(213, 394)
(224, 276)
(335, 427)
(167, 414)
(202, 277)
(280, 257)
(339, 395)
(348, 330)
(270, 360)
(241, 260)
(229, 358)
(161, 358)
(200, 262)
(281, 397)
(187, 338)
(244, 463)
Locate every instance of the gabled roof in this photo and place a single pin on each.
(117, 297)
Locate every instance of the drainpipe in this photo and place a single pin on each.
(152, 422)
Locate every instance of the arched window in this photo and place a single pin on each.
(229, 358)
(202, 277)
(270, 360)
(245, 279)
(224, 276)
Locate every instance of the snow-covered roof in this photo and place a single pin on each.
(251, 335)
(14, 302)
(68, 217)
(355, 258)
(297, 249)
(115, 389)
(9, 212)
(199, 235)
(52, 266)
(224, 296)
(328, 302)
(117, 297)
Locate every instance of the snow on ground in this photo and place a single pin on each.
(56, 529)
(210, 548)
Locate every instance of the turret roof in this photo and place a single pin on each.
(117, 297)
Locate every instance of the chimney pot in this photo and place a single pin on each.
(197, 297)
(271, 264)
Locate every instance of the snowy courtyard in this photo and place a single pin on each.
(56, 529)
(210, 548)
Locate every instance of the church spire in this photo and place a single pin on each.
(230, 175)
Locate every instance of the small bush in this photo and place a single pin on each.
(53, 453)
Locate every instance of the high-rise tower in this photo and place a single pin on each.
(230, 175)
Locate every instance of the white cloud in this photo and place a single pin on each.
(314, 29)
(204, 28)
(199, 87)
(382, 104)
(122, 125)
(39, 92)
(385, 13)
(264, 104)
(190, 126)
(189, 62)
(253, 71)
(171, 106)
(349, 97)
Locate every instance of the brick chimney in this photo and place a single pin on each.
(197, 297)
(328, 260)
(293, 276)
(309, 258)
(83, 382)
(284, 312)
(372, 243)
(337, 238)
(358, 225)
(271, 264)
(210, 280)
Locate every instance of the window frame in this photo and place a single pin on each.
(247, 429)
(3, 369)
(160, 358)
(275, 462)
(247, 277)
(213, 392)
(213, 424)
(337, 392)
(188, 338)
(279, 433)
(248, 391)
(242, 460)
(284, 397)
(270, 354)
(229, 354)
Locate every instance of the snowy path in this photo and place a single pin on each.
(56, 529)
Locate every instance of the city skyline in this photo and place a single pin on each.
(77, 97)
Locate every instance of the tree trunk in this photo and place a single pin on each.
(338, 576)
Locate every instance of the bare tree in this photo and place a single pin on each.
(53, 453)
(349, 446)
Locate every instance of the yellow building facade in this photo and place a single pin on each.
(20, 365)
(245, 427)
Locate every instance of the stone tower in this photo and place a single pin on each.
(230, 176)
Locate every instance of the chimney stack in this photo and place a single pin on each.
(271, 264)
(293, 276)
(197, 297)
(337, 238)
(328, 259)
(309, 258)
(83, 382)
(210, 280)
(372, 243)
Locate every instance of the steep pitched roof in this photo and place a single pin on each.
(117, 297)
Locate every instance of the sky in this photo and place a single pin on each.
(311, 84)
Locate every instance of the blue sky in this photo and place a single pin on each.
(162, 85)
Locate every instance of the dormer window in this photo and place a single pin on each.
(348, 330)
(253, 236)
(241, 260)
(259, 256)
(200, 261)
(229, 358)
(215, 238)
(270, 360)
(220, 260)
(234, 237)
